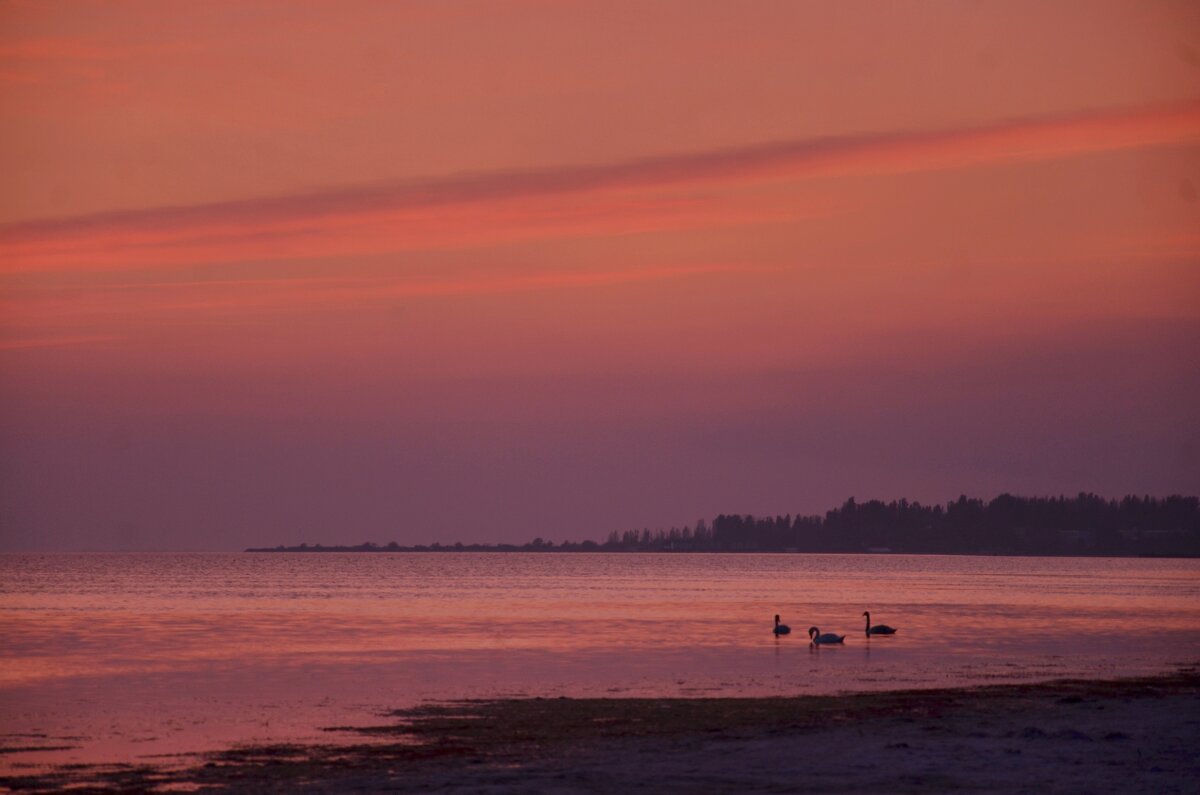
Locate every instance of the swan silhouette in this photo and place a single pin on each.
(817, 639)
(878, 629)
(781, 629)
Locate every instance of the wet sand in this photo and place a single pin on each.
(1128, 735)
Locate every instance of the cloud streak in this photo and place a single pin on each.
(134, 303)
(388, 230)
(480, 209)
(54, 342)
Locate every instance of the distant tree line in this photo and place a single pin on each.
(1082, 525)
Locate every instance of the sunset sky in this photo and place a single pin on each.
(437, 271)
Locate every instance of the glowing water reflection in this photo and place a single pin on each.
(137, 654)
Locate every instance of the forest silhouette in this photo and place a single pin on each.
(1082, 525)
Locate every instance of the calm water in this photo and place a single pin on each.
(126, 656)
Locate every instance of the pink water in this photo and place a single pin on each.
(126, 657)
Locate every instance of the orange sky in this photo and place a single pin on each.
(333, 272)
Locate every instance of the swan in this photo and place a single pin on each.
(816, 638)
(781, 629)
(878, 629)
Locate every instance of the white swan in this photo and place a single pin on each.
(781, 629)
(817, 639)
(878, 629)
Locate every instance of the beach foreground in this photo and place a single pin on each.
(1126, 735)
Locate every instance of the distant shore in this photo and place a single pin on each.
(1085, 525)
(598, 549)
(1125, 735)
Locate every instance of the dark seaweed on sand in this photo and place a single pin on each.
(506, 734)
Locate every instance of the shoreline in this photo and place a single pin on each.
(521, 550)
(1131, 734)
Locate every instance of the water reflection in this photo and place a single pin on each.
(208, 645)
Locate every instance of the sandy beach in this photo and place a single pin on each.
(1127, 735)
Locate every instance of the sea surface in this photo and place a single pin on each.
(135, 658)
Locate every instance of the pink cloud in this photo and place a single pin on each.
(56, 342)
(123, 302)
(480, 209)
(67, 48)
